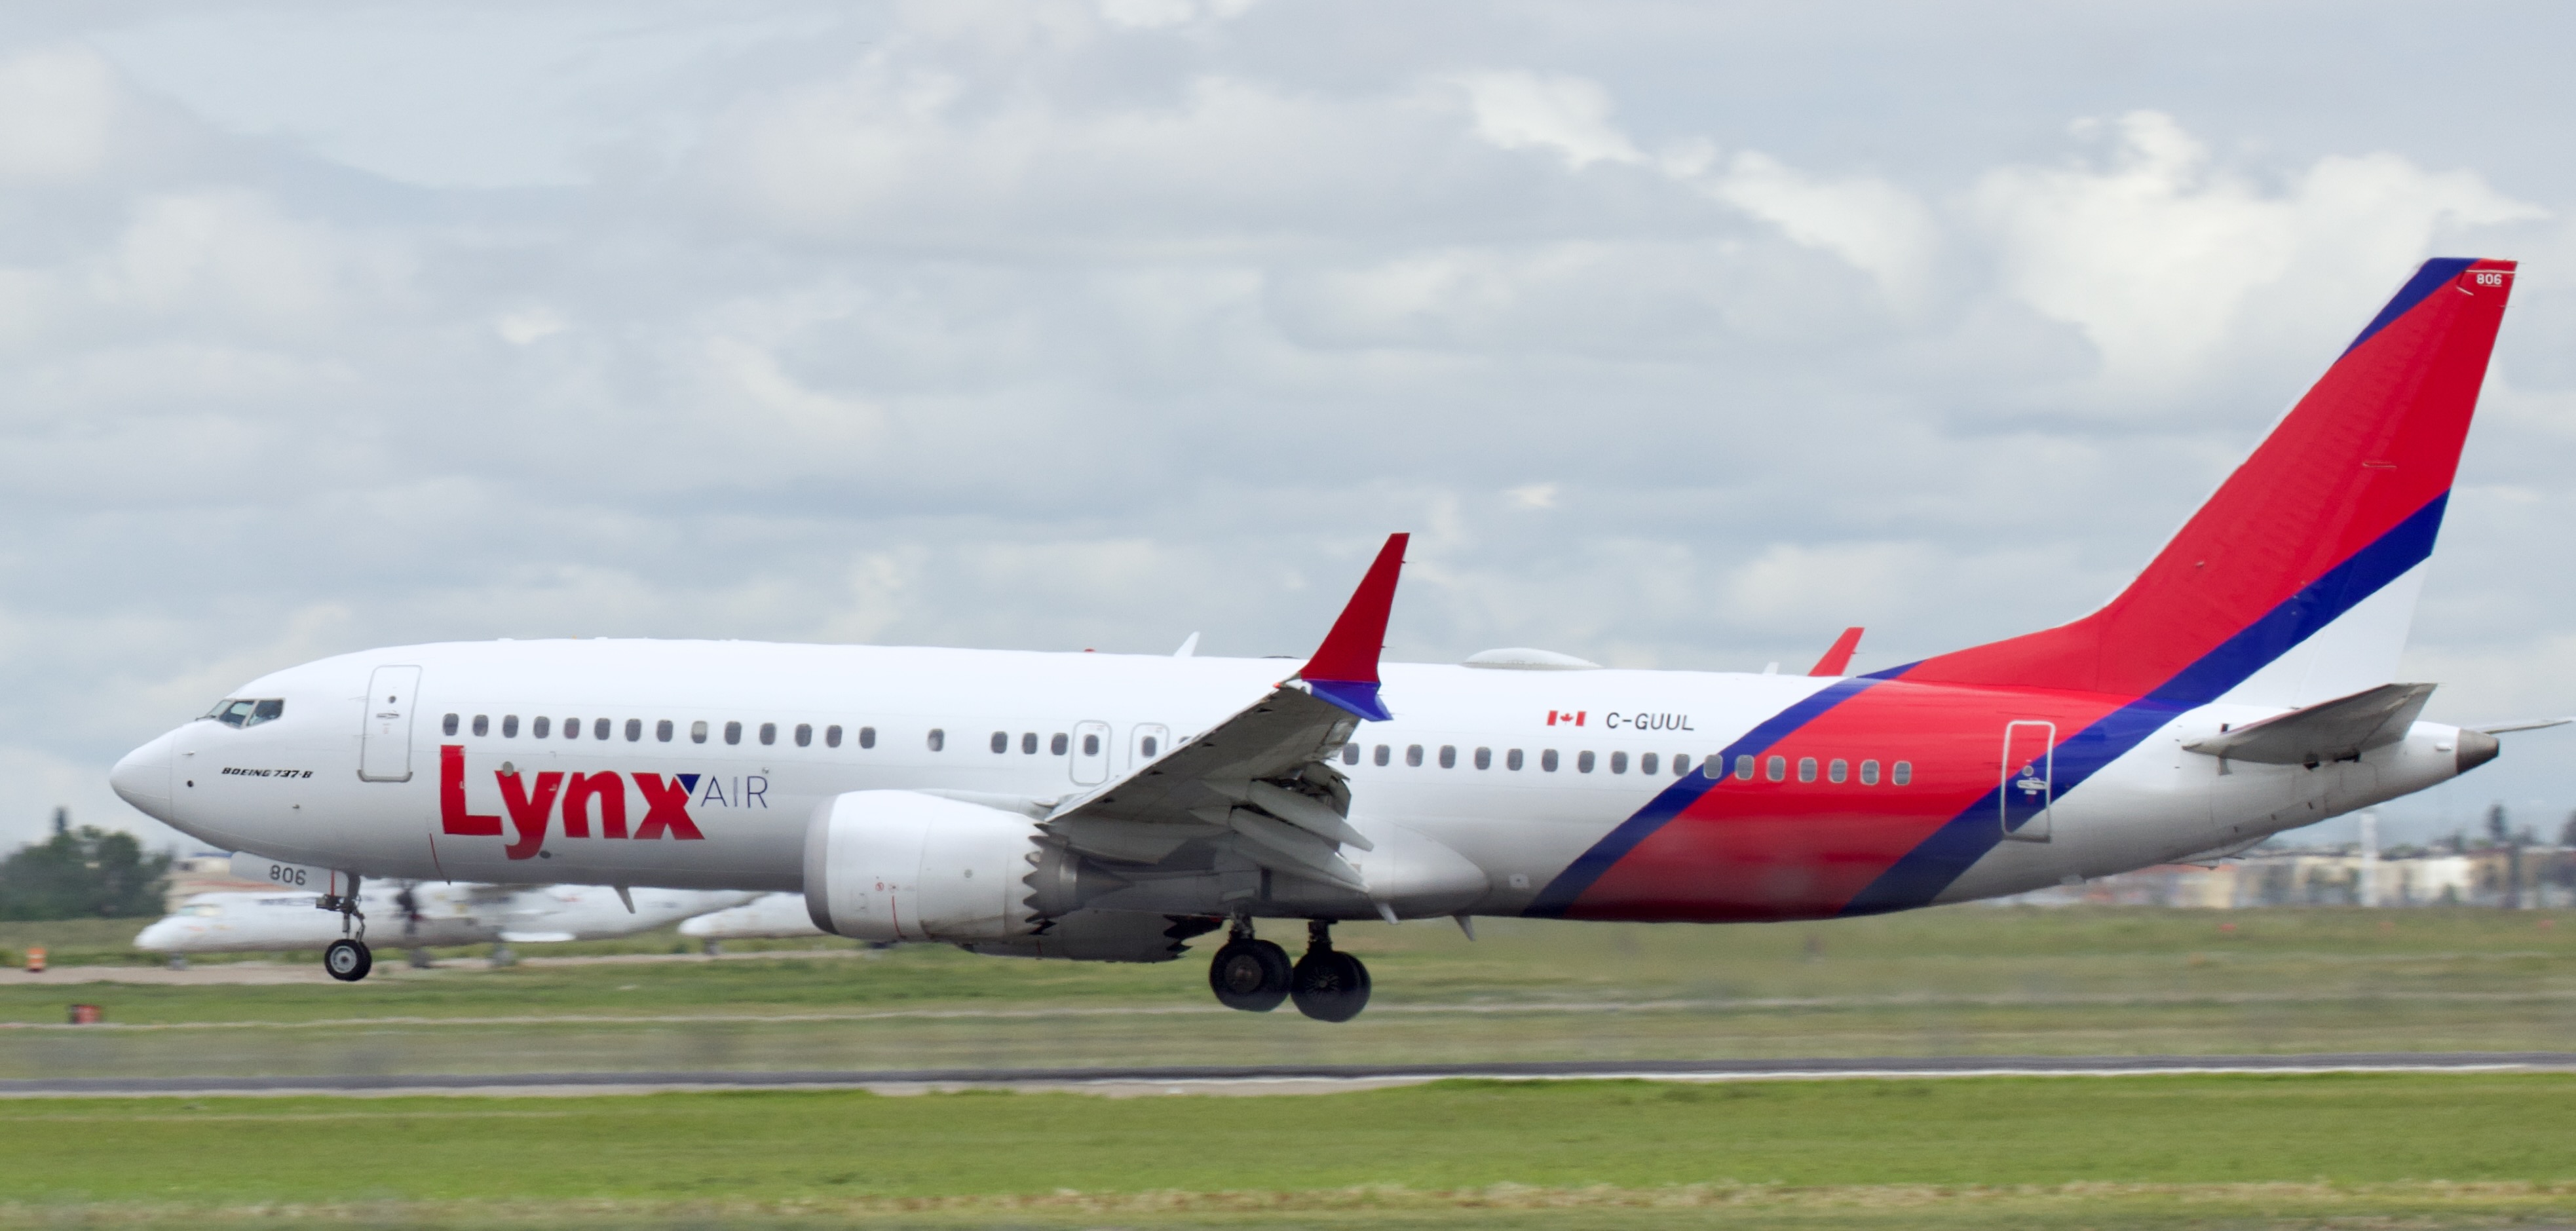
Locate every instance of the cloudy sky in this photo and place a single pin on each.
(1681, 334)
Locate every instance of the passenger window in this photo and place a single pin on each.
(482, 724)
(572, 728)
(832, 736)
(1775, 768)
(1618, 762)
(1744, 767)
(769, 733)
(1806, 769)
(1057, 745)
(938, 739)
(1547, 760)
(1413, 755)
(698, 731)
(1512, 759)
(1350, 754)
(448, 724)
(1869, 773)
(1448, 756)
(1837, 769)
(1647, 764)
(1681, 766)
(662, 731)
(538, 726)
(1484, 758)
(867, 737)
(1151, 747)
(509, 726)
(1583, 762)
(804, 735)
(1091, 745)
(634, 729)
(1380, 756)
(733, 732)
(599, 728)
(1001, 741)
(1714, 766)
(1029, 743)
(1901, 773)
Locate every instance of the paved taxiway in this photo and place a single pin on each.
(1282, 1079)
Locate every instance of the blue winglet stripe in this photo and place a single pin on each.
(1358, 696)
(1560, 894)
(1962, 840)
(2433, 276)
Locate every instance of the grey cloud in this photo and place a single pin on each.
(1068, 325)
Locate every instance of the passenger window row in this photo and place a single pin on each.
(1773, 768)
(664, 730)
(1057, 744)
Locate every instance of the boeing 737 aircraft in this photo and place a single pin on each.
(1111, 807)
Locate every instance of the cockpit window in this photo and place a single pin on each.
(201, 909)
(247, 712)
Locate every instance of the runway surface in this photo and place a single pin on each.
(1284, 1079)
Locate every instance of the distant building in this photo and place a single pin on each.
(2509, 877)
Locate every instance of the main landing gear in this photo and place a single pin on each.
(347, 959)
(1254, 975)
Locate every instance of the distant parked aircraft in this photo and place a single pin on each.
(424, 916)
(775, 916)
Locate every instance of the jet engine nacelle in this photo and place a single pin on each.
(901, 865)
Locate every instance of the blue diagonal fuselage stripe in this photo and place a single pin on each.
(1553, 901)
(1930, 867)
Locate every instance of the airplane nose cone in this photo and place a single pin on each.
(157, 937)
(143, 778)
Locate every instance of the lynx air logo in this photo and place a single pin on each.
(532, 803)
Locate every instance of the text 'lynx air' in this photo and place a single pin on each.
(1111, 807)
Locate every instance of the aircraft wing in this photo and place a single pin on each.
(1261, 782)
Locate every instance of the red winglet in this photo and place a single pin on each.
(1349, 653)
(1838, 658)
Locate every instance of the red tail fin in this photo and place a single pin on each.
(2341, 500)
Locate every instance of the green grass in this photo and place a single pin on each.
(1948, 981)
(2041, 1151)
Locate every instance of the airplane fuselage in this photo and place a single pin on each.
(1603, 794)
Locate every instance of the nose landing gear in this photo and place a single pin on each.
(347, 959)
(1254, 975)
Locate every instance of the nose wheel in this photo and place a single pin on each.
(348, 960)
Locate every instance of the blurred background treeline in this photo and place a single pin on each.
(83, 873)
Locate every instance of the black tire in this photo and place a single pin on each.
(348, 960)
(1330, 985)
(1251, 975)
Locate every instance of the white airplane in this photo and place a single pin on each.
(772, 916)
(426, 916)
(1111, 807)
